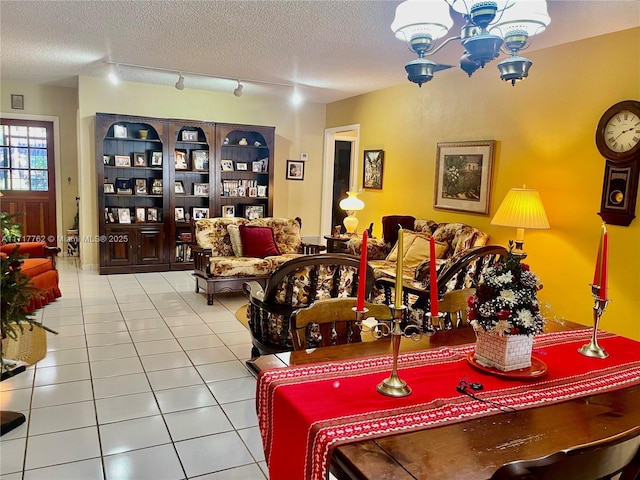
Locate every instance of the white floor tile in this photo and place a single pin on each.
(210, 355)
(159, 346)
(234, 338)
(62, 417)
(174, 378)
(106, 327)
(214, 372)
(165, 361)
(12, 455)
(140, 314)
(213, 453)
(146, 324)
(242, 414)
(191, 330)
(65, 343)
(115, 368)
(182, 320)
(197, 422)
(233, 390)
(184, 398)
(122, 385)
(133, 434)
(62, 447)
(103, 317)
(22, 380)
(151, 335)
(102, 339)
(62, 374)
(205, 341)
(147, 464)
(15, 399)
(252, 439)
(64, 357)
(135, 306)
(126, 407)
(246, 472)
(62, 393)
(108, 352)
(84, 470)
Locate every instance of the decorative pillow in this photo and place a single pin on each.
(408, 240)
(234, 236)
(419, 251)
(257, 241)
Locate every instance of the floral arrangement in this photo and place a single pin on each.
(506, 299)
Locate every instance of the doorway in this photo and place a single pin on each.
(339, 174)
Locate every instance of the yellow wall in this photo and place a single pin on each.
(297, 130)
(41, 100)
(544, 128)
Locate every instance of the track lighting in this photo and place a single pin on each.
(238, 90)
(180, 82)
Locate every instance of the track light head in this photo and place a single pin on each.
(180, 83)
(238, 90)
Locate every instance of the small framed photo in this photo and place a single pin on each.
(252, 192)
(256, 166)
(156, 186)
(124, 215)
(106, 160)
(373, 168)
(141, 186)
(179, 187)
(119, 131)
(123, 186)
(262, 190)
(304, 157)
(241, 191)
(227, 165)
(228, 211)
(200, 160)
(201, 189)
(141, 215)
(156, 159)
(189, 136)
(17, 102)
(179, 214)
(181, 160)
(139, 159)
(200, 213)
(152, 214)
(109, 215)
(295, 170)
(463, 176)
(251, 212)
(109, 188)
(241, 166)
(123, 160)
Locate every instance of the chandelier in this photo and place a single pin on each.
(490, 27)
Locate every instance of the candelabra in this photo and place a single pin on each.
(592, 349)
(393, 386)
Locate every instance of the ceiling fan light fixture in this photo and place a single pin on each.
(491, 27)
(514, 69)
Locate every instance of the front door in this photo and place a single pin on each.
(27, 177)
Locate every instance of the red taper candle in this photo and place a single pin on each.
(605, 266)
(362, 277)
(598, 272)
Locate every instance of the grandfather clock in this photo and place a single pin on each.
(618, 140)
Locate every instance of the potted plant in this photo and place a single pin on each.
(505, 314)
(16, 293)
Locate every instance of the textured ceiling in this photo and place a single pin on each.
(330, 49)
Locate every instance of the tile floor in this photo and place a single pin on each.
(144, 381)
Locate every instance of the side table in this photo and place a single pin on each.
(337, 244)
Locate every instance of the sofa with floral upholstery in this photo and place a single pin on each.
(462, 254)
(230, 251)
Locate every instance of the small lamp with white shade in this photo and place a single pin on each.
(521, 208)
(351, 205)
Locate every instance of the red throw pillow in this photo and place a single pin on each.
(257, 241)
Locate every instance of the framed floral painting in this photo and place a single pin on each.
(373, 168)
(463, 176)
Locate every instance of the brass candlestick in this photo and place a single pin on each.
(394, 386)
(592, 349)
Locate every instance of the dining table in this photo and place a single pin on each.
(472, 447)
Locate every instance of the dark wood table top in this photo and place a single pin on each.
(472, 449)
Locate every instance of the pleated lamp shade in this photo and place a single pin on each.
(521, 208)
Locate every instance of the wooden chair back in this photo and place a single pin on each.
(600, 460)
(454, 307)
(331, 321)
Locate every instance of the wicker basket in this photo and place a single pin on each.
(30, 346)
(506, 353)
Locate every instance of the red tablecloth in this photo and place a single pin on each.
(305, 411)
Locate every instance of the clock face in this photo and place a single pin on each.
(622, 132)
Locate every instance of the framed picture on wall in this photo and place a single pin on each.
(200, 213)
(373, 168)
(295, 170)
(251, 212)
(156, 159)
(463, 176)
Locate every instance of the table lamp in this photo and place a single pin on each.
(351, 205)
(521, 208)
